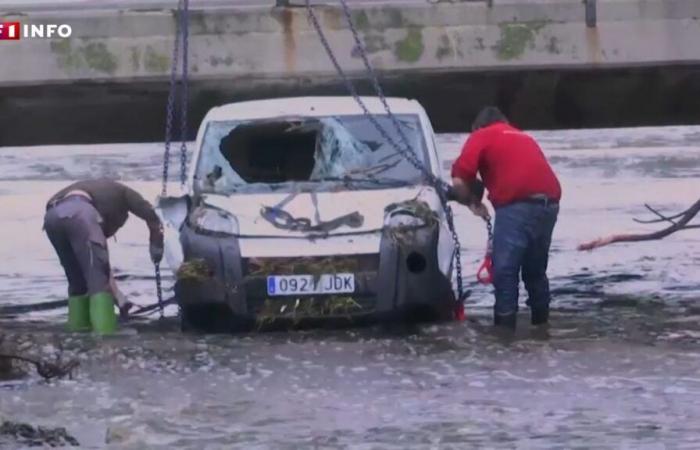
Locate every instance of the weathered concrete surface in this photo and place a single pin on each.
(226, 43)
(536, 59)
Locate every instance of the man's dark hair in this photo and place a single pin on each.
(488, 116)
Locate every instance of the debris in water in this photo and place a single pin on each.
(45, 369)
(680, 221)
(195, 269)
(417, 208)
(25, 434)
(117, 435)
(300, 308)
(404, 234)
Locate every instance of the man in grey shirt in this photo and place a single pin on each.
(78, 221)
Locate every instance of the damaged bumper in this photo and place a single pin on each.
(403, 277)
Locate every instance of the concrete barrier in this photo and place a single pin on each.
(255, 43)
(546, 63)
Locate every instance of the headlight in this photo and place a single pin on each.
(410, 213)
(214, 221)
(404, 219)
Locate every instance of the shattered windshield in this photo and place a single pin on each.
(290, 153)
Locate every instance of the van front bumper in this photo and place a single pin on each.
(402, 277)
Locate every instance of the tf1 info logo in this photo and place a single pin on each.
(14, 31)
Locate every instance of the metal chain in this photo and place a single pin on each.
(485, 275)
(412, 158)
(159, 289)
(377, 86)
(184, 94)
(489, 229)
(181, 38)
(439, 185)
(170, 106)
(183, 10)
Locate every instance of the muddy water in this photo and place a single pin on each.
(620, 367)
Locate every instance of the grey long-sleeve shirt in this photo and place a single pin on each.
(114, 201)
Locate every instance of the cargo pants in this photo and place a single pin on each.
(72, 224)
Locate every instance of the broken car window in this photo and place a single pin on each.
(281, 153)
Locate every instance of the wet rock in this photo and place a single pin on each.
(116, 435)
(8, 370)
(25, 434)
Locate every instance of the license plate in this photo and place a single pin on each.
(328, 283)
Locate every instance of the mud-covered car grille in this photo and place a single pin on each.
(362, 301)
(310, 265)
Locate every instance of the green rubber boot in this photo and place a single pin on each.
(79, 313)
(102, 315)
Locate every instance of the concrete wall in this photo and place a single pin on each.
(256, 43)
(536, 59)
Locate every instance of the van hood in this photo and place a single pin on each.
(259, 238)
(324, 206)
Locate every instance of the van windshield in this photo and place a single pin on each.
(318, 152)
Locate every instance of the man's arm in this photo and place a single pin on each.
(471, 196)
(141, 208)
(466, 188)
(466, 165)
(467, 193)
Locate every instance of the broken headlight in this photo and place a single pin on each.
(213, 220)
(404, 219)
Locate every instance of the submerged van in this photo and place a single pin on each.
(300, 209)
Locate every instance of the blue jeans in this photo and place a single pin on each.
(521, 238)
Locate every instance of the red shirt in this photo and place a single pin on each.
(511, 164)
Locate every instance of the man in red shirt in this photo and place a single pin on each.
(525, 194)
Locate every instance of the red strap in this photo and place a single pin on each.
(485, 273)
(459, 312)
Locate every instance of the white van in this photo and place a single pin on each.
(300, 209)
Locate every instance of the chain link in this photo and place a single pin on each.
(170, 106)
(440, 185)
(489, 229)
(184, 95)
(159, 289)
(181, 39)
(410, 155)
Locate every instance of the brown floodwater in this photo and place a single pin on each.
(620, 367)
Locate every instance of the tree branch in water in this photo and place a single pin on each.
(45, 369)
(678, 222)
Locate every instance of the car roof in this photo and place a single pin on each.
(309, 106)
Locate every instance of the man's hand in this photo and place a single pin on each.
(122, 302)
(450, 194)
(480, 210)
(466, 193)
(155, 247)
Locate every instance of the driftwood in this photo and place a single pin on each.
(46, 370)
(678, 222)
(30, 436)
